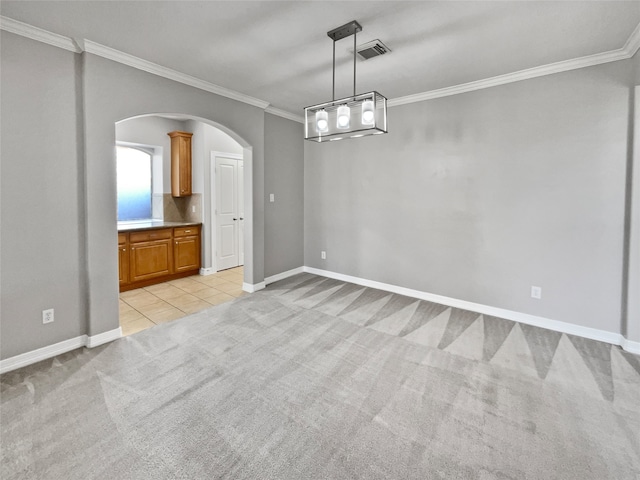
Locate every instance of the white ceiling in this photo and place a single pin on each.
(279, 51)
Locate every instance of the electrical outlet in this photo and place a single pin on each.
(323, 255)
(536, 292)
(193, 208)
(47, 316)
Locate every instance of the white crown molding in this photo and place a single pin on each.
(543, 70)
(35, 33)
(633, 42)
(549, 324)
(284, 114)
(150, 67)
(627, 51)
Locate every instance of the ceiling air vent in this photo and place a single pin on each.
(372, 49)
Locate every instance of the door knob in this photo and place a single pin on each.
(241, 218)
(235, 219)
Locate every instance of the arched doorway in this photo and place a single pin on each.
(148, 132)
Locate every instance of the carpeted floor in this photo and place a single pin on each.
(314, 378)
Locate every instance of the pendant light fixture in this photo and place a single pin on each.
(351, 117)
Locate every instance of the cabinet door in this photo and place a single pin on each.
(123, 264)
(150, 259)
(180, 163)
(185, 166)
(186, 254)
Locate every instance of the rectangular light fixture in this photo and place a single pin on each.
(350, 117)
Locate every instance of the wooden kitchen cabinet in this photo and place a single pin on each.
(180, 163)
(151, 256)
(150, 259)
(186, 248)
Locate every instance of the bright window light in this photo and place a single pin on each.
(133, 168)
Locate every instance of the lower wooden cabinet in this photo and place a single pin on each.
(123, 259)
(186, 253)
(150, 260)
(154, 256)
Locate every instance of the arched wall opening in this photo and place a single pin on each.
(111, 92)
(209, 140)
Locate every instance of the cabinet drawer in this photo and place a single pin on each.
(150, 235)
(186, 231)
(122, 238)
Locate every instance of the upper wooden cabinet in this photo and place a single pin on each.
(180, 163)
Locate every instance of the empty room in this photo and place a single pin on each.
(320, 240)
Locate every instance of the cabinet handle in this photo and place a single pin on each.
(189, 231)
(176, 243)
(124, 249)
(133, 248)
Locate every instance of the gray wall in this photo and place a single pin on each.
(205, 140)
(631, 326)
(480, 196)
(58, 199)
(112, 92)
(284, 177)
(42, 237)
(152, 131)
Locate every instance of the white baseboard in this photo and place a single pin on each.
(104, 337)
(59, 348)
(549, 324)
(253, 287)
(40, 354)
(207, 271)
(281, 276)
(630, 346)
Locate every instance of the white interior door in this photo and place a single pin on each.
(226, 213)
(229, 212)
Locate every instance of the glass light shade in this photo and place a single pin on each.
(322, 121)
(366, 114)
(344, 114)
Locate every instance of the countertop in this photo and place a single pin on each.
(152, 225)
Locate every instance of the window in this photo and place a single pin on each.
(134, 167)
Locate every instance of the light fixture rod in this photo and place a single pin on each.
(333, 94)
(346, 30)
(354, 62)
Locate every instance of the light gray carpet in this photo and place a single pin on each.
(314, 378)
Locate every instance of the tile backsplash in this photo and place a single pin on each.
(179, 209)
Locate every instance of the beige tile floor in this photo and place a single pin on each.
(145, 307)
